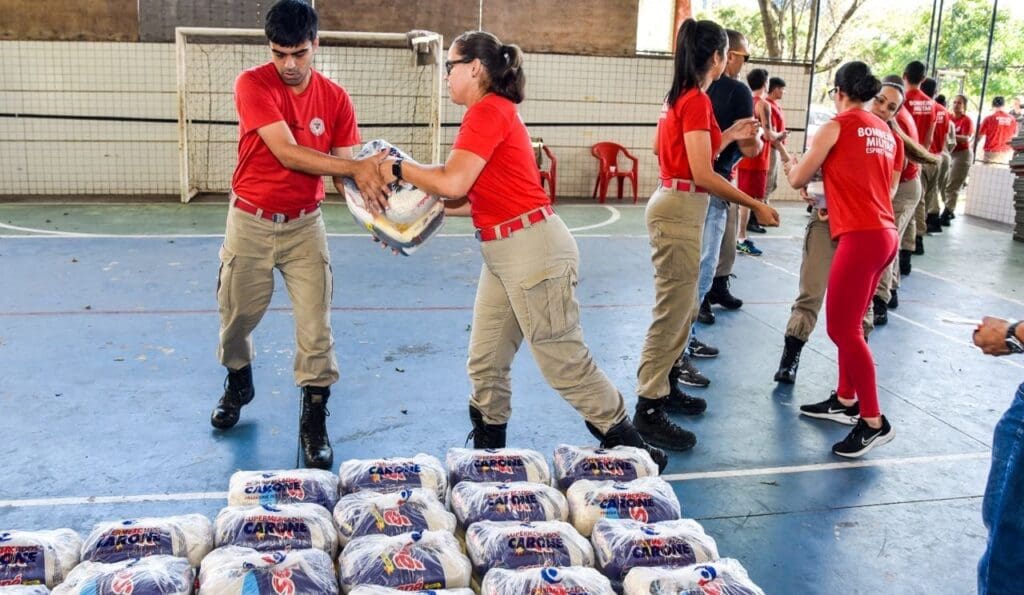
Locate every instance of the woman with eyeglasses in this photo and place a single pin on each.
(528, 279)
(857, 154)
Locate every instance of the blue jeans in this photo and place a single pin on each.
(710, 247)
(1003, 508)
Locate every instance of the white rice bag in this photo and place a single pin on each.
(367, 513)
(512, 544)
(376, 590)
(234, 570)
(252, 488)
(546, 580)
(408, 562)
(648, 500)
(623, 544)
(497, 464)
(152, 575)
(515, 501)
(622, 463)
(284, 527)
(37, 557)
(187, 536)
(25, 590)
(394, 475)
(724, 577)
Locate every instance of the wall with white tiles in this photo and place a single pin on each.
(990, 193)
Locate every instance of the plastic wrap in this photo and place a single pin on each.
(153, 575)
(376, 590)
(394, 475)
(648, 500)
(409, 562)
(497, 464)
(284, 527)
(516, 501)
(367, 513)
(545, 581)
(724, 577)
(510, 544)
(236, 570)
(252, 488)
(38, 557)
(623, 544)
(187, 536)
(24, 590)
(622, 463)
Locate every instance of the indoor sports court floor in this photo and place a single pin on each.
(108, 328)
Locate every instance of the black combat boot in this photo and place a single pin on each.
(932, 223)
(624, 434)
(706, 315)
(881, 308)
(894, 300)
(485, 435)
(905, 262)
(919, 246)
(720, 294)
(238, 391)
(316, 445)
(679, 402)
(656, 428)
(790, 361)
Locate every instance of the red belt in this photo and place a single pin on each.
(247, 207)
(507, 228)
(681, 185)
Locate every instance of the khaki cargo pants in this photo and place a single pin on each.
(904, 207)
(960, 164)
(253, 247)
(527, 289)
(908, 239)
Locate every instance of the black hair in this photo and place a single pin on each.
(757, 78)
(855, 79)
(915, 72)
(774, 83)
(291, 23)
(929, 87)
(998, 101)
(696, 43)
(893, 79)
(940, 99)
(736, 39)
(502, 63)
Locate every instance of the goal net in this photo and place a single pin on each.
(394, 80)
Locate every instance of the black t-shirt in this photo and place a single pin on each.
(731, 100)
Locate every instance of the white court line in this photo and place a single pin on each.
(79, 501)
(825, 466)
(615, 216)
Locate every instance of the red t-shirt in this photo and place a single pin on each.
(963, 126)
(906, 122)
(922, 109)
(941, 130)
(691, 111)
(321, 118)
(778, 120)
(998, 128)
(509, 184)
(760, 162)
(858, 174)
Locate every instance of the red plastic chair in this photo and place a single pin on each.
(608, 155)
(551, 174)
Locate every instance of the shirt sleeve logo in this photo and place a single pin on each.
(316, 126)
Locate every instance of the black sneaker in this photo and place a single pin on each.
(863, 438)
(701, 350)
(754, 226)
(832, 410)
(688, 374)
(706, 315)
(919, 246)
(894, 300)
(657, 429)
(678, 401)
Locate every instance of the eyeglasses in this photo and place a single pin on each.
(832, 92)
(880, 100)
(746, 57)
(449, 64)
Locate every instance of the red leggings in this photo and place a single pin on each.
(860, 259)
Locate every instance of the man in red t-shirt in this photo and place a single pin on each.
(997, 128)
(295, 126)
(960, 157)
(776, 91)
(922, 110)
(940, 139)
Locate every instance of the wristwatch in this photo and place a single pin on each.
(1012, 342)
(396, 169)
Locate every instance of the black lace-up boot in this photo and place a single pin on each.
(625, 434)
(790, 360)
(313, 440)
(238, 391)
(485, 435)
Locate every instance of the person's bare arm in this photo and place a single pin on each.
(698, 152)
(800, 172)
(344, 153)
(452, 179)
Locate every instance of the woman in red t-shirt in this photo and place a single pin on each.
(528, 279)
(856, 152)
(688, 140)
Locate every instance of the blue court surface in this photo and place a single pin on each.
(108, 332)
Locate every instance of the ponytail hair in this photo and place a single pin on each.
(855, 79)
(503, 64)
(697, 42)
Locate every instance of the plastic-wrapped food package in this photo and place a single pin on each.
(24, 590)
(623, 544)
(724, 577)
(284, 527)
(236, 570)
(622, 463)
(153, 575)
(377, 590)
(368, 513)
(497, 464)
(545, 580)
(648, 500)
(252, 488)
(394, 475)
(515, 501)
(37, 557)
(187, 536)
(408, 562)
(511, 544)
